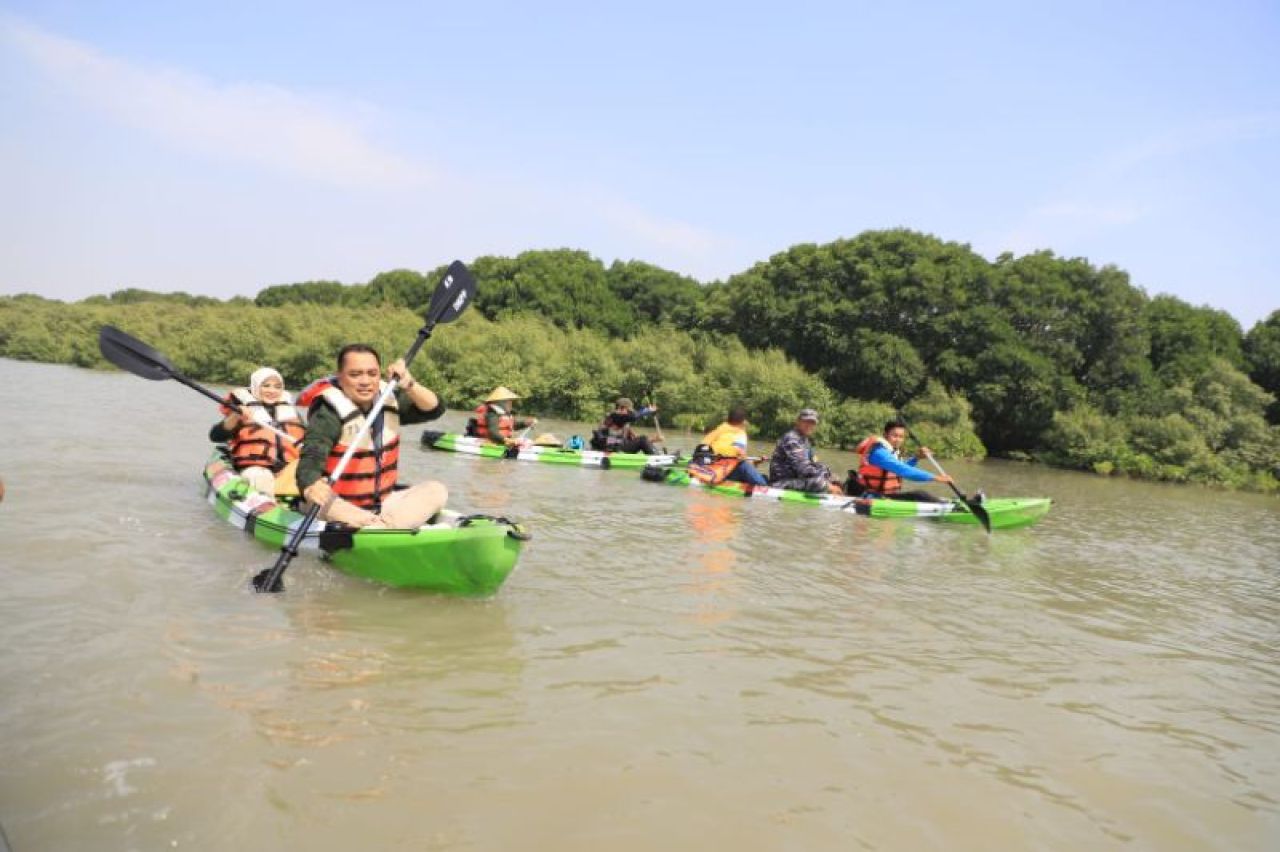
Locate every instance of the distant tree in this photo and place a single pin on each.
(136, 296)
(1015, 394)
(656, 295)
(1089, 321)
(1262, 355)
(402, 288)
(1039, 355)
(568, 287)
(303, 293)
(1184, 338)
(873, 365)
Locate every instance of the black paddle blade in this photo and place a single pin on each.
(453, 294)
(133, 356)
(980, 512)
(262, 581)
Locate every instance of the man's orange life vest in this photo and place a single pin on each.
(254, 444)
(506, 423)
(370, 475)
(311, 392)
(873, 477)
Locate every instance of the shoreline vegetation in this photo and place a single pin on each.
(1034, 357)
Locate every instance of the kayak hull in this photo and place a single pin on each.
(1005, 513)
(453, 442)
(454, 556)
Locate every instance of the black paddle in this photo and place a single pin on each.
(452, 296)
(978, 510)
(134, 356)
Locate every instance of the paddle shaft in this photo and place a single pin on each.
(657, 427)
(934, 462)
(954, 488)
(268, 426)
(222, 400)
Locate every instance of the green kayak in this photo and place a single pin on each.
(455, 554)
(453, 442)
(1006, 513)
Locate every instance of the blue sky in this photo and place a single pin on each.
(219, 148)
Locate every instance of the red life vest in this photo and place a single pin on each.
(370, 475)
(873, 477)
(254, 444)
(506, 423)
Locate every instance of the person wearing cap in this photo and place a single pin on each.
(793, 465)
(494, 420)
(262, 429)
(615, 434)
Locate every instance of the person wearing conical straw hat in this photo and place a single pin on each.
(494, 418)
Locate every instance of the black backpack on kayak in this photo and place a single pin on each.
(702, 454)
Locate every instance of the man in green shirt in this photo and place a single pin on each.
(363, 496)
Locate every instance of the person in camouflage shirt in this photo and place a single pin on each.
(793, 466)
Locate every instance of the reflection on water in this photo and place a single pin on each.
(665, 666)
(714, 524)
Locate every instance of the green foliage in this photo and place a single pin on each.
(1087, 321)
(571, 288)
(851, 420)
(134, 296)
(656, 295)
(1208, 430)
(1015, 396)
(308, 293)
(876, 365)
(942, 420)
(1028, 356)
(401, 288)
(1262, 355)
(1184, 338)
(1083, 437)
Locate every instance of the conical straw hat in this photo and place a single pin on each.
(501, 394)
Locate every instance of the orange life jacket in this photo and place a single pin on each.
(714, 472)
(370, 475)
(255, 445)
(311, 392)
(506, 423)
(873, 477)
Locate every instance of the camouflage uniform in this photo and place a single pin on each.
(792, 466)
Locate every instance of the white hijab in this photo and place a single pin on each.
(259, 376)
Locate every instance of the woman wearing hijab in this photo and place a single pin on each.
(262, 428)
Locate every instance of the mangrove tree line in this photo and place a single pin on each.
(1034, 356)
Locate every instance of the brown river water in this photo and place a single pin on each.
(666, 669)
